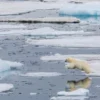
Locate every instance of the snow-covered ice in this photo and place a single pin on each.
(90, 9)
(78, 92)
(33, 94)
(61, 57)
(90, 41)
(42, 74)
(12, 26)
(7, 73)
(69, 98)
(7, 65)
(4, 66)
(18, 7)
(42, 31)
(5, 87)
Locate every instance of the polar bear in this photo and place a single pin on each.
(79, 64)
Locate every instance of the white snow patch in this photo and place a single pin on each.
(42, 74)
(78, 92)
(95, 67)
(69, 98)
(63, 57)
(5, 87)
(91, 41)
(32, 94)
(43, 31)
(10, 26)
(16, 7)
(85, 9)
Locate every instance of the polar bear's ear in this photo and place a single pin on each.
(70, 60)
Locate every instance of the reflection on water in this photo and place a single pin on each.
(73, 85)
(75, 90)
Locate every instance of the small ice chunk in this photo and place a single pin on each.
(32, 94)
(13, 64)
(7, 65)
(5, 87)
(78, 92)
(4, 66)
(42, 74)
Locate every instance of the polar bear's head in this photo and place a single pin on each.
(70, 60)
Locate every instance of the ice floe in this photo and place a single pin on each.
(4, 66)
(18, 7)
(90, 41)
(7, 73)
(5, 87)
(32, 94)
(78, 92)
(81, 10)
(69, 98)
(13, 64)
(7, 65)
(43, 31)
(41, 74)
(12, 26)
(63, 57)
(95, 68)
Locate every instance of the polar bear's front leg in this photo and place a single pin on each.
(70, 66)
(87, 69)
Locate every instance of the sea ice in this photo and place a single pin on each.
(78, 92)
(7, 65)
(42, 74)
(11, 26)
(5, 87)
(18, 7)
(84, 10)
(68, 42)
(57, 57)
(69, 98)
(43, 31)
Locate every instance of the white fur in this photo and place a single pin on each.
(79, 64)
